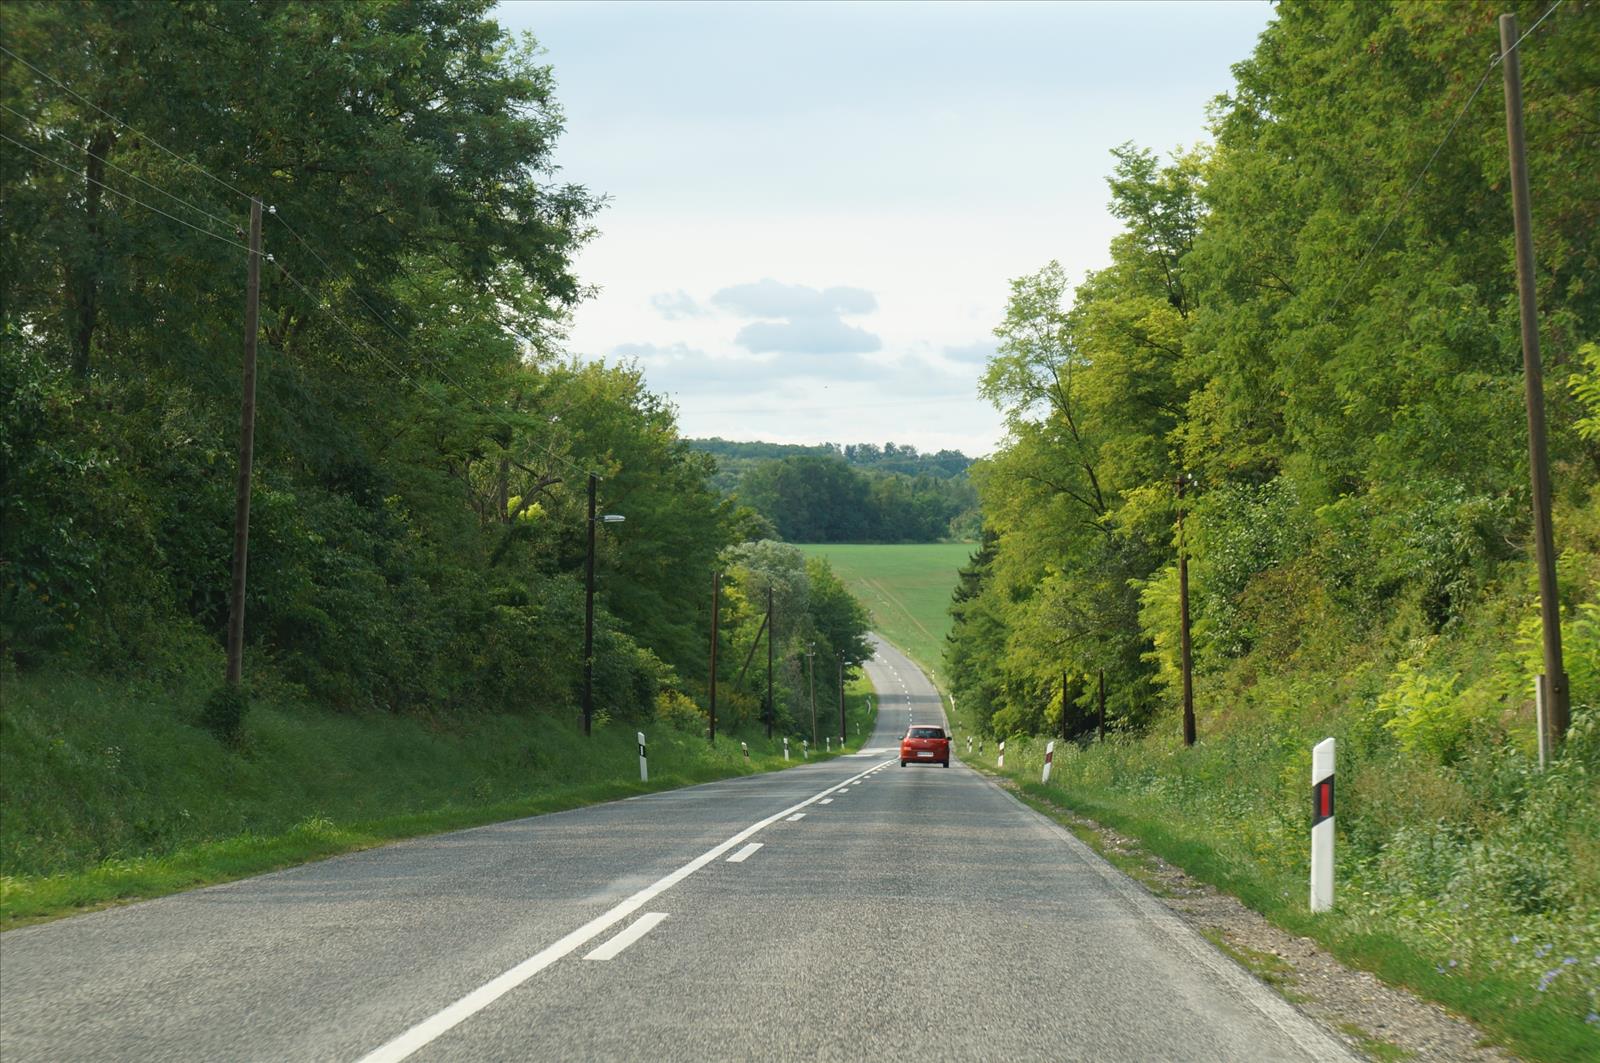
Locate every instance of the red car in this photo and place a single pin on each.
(925, 744)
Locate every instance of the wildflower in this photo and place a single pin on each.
(1516, 940)
(1549, 976)
(1541, 952)
(1593, 1018)
(1452, 963)
(1569, 961)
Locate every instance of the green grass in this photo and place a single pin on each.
(113, 794)
(907, 590)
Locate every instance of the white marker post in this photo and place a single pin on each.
(1002, 761)
(1322, 826)
(805, 748)
(745, 749)
(785, 749)
(969, 745)
(827, 743)
(644, 765)
(1049, 755)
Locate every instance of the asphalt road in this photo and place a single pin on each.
(886, 913)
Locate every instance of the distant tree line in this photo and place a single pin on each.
(860, 492)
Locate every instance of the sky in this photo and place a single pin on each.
(814, 210)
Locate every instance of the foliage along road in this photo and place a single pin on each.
(844, 909)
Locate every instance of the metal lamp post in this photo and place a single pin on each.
(811, 681)
(588, 609)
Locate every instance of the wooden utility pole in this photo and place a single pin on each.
(1102, 704)
(1183, 622)
(716, 601)
(1558, 704)
(247, 450)
(771, 708)
(1063, 706)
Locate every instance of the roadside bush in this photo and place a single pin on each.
(1426, 714)
(680, 712)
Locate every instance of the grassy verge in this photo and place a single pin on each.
(113, 794)
(906, 588)
(1158, 795)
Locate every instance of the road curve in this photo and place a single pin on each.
(850, 909)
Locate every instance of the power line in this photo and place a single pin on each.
(69, 89)
(101, 158)
(114, 191)
(1411, 189)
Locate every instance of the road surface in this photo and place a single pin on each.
(850, 909)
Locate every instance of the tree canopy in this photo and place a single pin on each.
(1313, 322)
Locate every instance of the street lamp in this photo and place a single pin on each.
(841, 701)
(811, 681)
(588, 609)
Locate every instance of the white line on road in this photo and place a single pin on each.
(826, 801)
(429, 1029)
(744, 854)
(641, 926)
(797, 815)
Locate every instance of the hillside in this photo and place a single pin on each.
(1290, 413)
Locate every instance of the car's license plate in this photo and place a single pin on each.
(924, 753)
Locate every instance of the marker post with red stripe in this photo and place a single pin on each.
(1322, 826)
(1049, 755)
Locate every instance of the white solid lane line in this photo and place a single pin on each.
(744, 854)
(641, 926)
(431, 1028)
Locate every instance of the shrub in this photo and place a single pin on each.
(1426, 713)
(681, 712)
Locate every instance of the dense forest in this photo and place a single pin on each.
(423, 443)
(1302, 368)
(859, 492)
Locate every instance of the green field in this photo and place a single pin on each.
(907, 590)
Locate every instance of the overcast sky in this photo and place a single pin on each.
(815, 208)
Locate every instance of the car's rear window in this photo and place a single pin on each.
(927, 732)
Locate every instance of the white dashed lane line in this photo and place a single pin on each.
(636, 930)
(744, 854)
